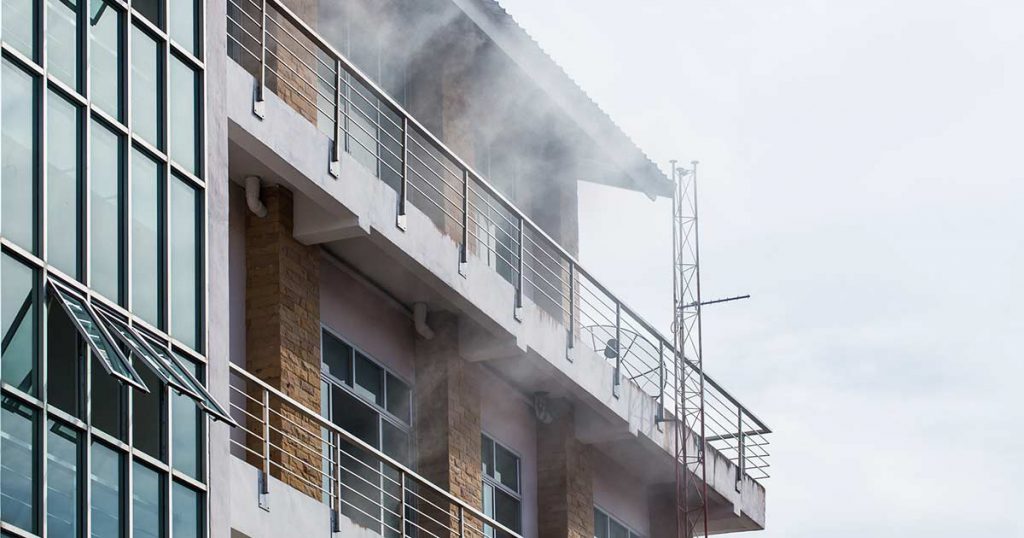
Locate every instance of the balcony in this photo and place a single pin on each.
(532, 271)
(366, 491)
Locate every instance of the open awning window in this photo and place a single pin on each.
(88, 324)
(100, 329)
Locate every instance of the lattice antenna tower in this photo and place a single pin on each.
(688, 379)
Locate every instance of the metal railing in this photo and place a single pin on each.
(286, 440)
(289, 58)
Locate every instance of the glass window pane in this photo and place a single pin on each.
(19, 146)
(62, 51)
(63, 360)
(398, 398)
(506, 468)
(105, 23)
(147, 250)
(147, 419)
(18, 313)
(337, 357)
(185, 437)
(147, 503)
(600, 524)
(369, 383)
(488, 503)
(19, 22)
(184, 115)
(107, 198)
(616, 530)
(105, 502)
(184, 277)
(63, 184)
(487, 455)
(185, 520)
(151, 9)
(506, 510)
(18, 474)
(62, 490)
(395, 443)
(108, 402)
(183, 23)
(146, 90)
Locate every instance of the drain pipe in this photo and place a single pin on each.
(419, 319)
(252, 196)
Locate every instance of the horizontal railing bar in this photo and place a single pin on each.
(366, 447)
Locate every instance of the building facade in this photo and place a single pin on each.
(307, 268)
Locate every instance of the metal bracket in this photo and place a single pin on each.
(517, 313)
(263, 483)
(463, 269)
(400, 222)
(335, 522)
(334, 168)
(259, 108)
(570, 348)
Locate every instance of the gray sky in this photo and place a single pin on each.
(861, 178)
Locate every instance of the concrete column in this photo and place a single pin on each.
(447, 416)
(282, 318)
(564, 478)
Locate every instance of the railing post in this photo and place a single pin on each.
(336, 472)
(741, 463)
(403, 194)
(401, 503)
(518, 312)
(571, 333)
(335, 166)
(617, 381)
(264, 497)
(258, 101)
(462, 521)
(660, 415)
(464, 249)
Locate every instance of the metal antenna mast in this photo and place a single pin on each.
(691, 472)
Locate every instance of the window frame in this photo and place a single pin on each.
(630, 531)
(349, 385)
(495, 483)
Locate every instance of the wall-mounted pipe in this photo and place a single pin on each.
(252, 196)
(419, 319)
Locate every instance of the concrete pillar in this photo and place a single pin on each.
(282, 319)
(447, 417)
(564, 479)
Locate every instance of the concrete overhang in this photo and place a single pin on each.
(354, 217)
(636, 170)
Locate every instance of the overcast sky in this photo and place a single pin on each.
(862, 179)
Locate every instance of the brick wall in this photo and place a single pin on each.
(290, 62)
(447, 420)
(565, 492)
(282, 320)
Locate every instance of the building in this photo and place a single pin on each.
(297, 268)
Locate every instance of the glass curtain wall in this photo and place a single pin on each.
(102, 225)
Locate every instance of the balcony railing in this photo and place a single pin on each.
(289, 58)
(288, 441)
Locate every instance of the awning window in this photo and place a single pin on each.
(88, 324)
(100, 329)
